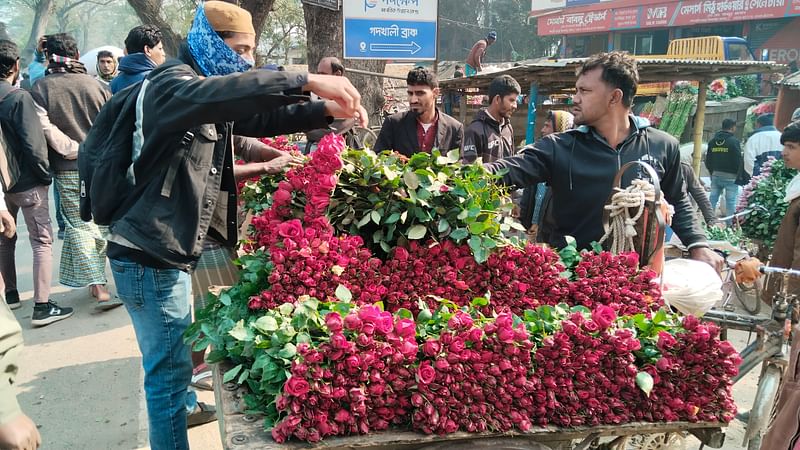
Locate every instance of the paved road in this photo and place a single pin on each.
(81, 379)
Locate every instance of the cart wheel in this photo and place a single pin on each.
(658, 441)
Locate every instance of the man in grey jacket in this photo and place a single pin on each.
(69, 99)
(580, 164)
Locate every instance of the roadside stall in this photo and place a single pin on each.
(548, 77)
(788, 99)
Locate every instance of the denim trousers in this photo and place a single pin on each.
(720, 184)
(158, 301)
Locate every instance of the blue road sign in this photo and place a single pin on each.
(389, 39)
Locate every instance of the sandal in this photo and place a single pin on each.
(203, 413)
(104, 299)
(202, 378)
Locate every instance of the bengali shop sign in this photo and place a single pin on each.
(710, 11)
(625, 18)
(585, 22)
(689, 12)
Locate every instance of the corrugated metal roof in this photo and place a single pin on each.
(555, 75)
(792, 80)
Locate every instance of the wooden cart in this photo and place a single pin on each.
(240, 431)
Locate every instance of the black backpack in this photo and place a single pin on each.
(105, 156)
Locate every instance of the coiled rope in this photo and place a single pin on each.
(622, 225)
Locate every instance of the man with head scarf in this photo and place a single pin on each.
(187, 111)
(106, 66)
(536, 202)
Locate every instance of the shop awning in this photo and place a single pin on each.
(792, 81)
(558, 76)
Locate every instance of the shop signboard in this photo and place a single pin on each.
(390, 29)
(625, 18)
(711, 11)
(660, 15)
(572, 23)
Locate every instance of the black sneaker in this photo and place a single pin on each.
(12, 299)
(47, 313)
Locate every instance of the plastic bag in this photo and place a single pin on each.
(693, 287)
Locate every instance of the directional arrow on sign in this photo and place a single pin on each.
(412, 48)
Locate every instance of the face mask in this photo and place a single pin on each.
(252, 62)
(210, 52)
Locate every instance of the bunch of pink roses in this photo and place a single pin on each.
(358, 381)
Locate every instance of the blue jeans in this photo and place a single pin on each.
(719, 184)
(158, 301)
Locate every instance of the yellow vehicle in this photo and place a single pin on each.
(711, 48)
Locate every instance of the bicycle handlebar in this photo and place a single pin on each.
(779, 270)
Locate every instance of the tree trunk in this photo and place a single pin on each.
(149, 11)
(259, 9)
(40, 18)
(324, 38)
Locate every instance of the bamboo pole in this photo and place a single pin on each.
(699, 123)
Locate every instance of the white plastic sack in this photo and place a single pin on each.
(693, 287)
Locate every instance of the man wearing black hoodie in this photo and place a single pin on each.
(580, 164)
(143, 53)
(490, 136)
(724, 162)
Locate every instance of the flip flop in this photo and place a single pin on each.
(115, 302)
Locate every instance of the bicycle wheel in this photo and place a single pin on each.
(366, 136)
(763, 405)
(749, 295)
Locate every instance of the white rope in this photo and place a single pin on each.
(622, 226)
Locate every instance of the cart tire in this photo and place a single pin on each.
(658, 441)
(763, 405)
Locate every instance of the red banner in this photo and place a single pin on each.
(711, 11)
(660, 15)
(625, 18)
(585, 22)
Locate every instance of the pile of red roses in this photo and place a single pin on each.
(308, 259)
(372, 369)
(615, 280)
(475, 379)
(358, 381)
(692, 377)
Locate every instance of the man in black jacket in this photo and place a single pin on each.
(490, 136)
(424, 127)
(185, 194)
(24, 137)
(725, 164)
(580, 164)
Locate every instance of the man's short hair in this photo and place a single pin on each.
(728, 124)
(420, 75)
(62, 44)
(9, 55)
(336, 66)
(141, 36)
(502, 86)
(104, 54)
(791, 133)
(619, 71)
(765, 120)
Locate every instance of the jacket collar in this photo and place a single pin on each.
(638, 124)
(766, 128)
(411, 127)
